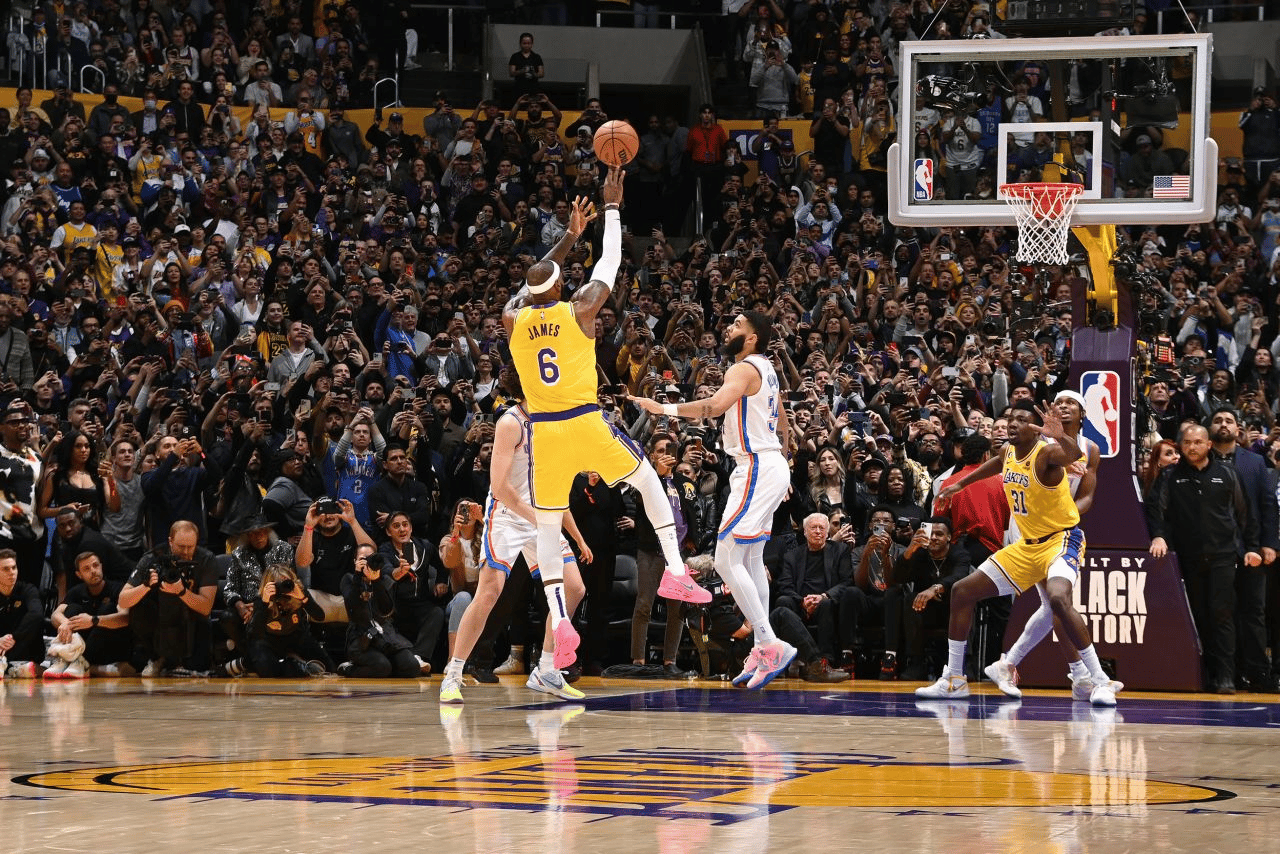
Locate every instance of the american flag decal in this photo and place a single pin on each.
(1171, 186)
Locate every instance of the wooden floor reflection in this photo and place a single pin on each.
(151, 766)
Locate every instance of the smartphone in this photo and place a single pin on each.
(796, 396)
(697, 442)
(927, 527)
(271, 388)
(408, 393)
(458, 315)
(858, 421)
(950, 373)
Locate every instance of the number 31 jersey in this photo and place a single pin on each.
(555, 360)
(1039, 510)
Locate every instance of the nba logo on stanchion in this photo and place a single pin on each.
(923, 181)
(1101, 393)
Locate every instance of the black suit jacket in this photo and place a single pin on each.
(837, 569)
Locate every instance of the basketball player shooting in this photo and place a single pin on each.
(757, 486)
(553, 350)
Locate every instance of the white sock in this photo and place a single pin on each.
(955, 657)
(550, 555)
(1037, 628)
(555, 600)
(658, 510)
(454, 668)
(754, 562)
(1089, 657)
(1078, 670)
(547, 661)
(729, 557)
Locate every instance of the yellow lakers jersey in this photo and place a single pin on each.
(77, 235)
(555, 360)
(1039, 510)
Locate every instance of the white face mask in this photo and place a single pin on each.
(150, 105)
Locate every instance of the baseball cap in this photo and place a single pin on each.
(1142, 139)
(38, 153)
(396, 117)
(182, 227)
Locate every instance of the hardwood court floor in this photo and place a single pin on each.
(157, 766)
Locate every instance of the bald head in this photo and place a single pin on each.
(544, 277)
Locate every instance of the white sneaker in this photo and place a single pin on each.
(552, 682)
(22, 670)
(1005, 675)
(1102, 694)
(78, 669)
(155, 667)
(1082, 689)
(511, 667)
(57, 667)
(451, 690)
(4, 667)
(946, 688)
(424, 667)
(113, 671)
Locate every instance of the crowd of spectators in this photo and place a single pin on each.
(250, 373)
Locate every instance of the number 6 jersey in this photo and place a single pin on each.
(555, 360)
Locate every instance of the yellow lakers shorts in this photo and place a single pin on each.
(1019, 566)
(565, 443)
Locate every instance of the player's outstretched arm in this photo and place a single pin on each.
(589, 299)
(987, 469)
(741, 380)
(1064, 451)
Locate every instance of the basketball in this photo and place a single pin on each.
(616, 143)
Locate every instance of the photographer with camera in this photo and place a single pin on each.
(169, 597)
(280, 640)
(375, 650)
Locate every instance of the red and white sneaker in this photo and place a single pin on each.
(683, 588)
(566, 638)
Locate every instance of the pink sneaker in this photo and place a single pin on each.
(774, 659)
(682, 588)
(748, 668)
(566, 638)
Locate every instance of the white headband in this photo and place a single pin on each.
(549, 283)
(1070, 395)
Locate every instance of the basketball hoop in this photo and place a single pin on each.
(1044, 217)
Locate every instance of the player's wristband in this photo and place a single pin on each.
(669, 409)
(612, 206)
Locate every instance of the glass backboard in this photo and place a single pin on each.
(1126, 116)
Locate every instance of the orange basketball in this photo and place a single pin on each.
(616, 143)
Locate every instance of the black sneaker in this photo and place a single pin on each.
(572, 673)
(486, 676)
(345, 668)
(673, 671)
(889, 667)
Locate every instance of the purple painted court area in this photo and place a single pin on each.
(1135, 710)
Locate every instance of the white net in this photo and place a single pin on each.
(1043, 212)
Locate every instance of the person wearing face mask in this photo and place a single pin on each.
(100, 116)
(147, 120)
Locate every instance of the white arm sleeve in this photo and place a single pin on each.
(606, 269)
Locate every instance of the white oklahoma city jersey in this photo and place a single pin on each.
(751, 423)
(1075, 474)
(506, 533)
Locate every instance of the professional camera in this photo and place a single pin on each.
(284, 588)
(177, 571)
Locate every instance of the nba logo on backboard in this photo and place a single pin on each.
(923, 190)
(1101, 393)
